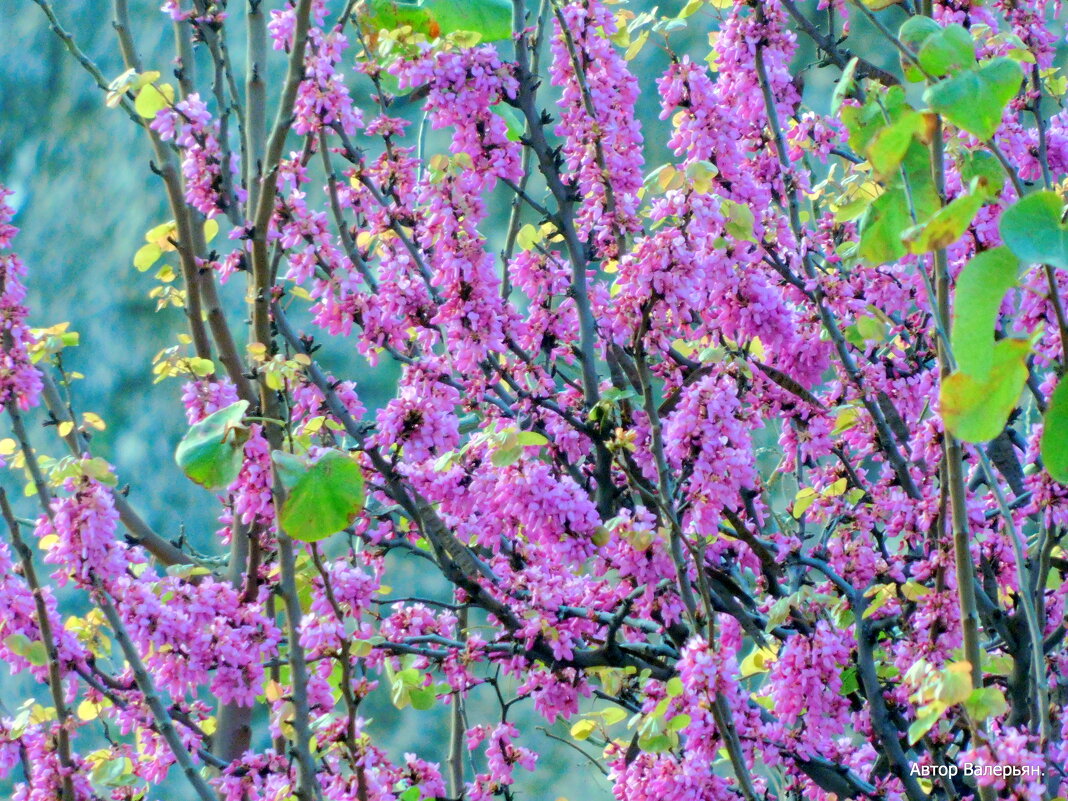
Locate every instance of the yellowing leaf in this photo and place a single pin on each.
(846, 419)
(583, 729)
(201, 367)
(161, 235)
(90, 710)
(804, 499)
(701, 175)
(758, 661)
(881, 595)
(636, 46)
(977, 410)
(837, 488)
(667, 177)
(527, 237)
(94, 420)
(955, 685)
(690, 8)
(913, 590)
(146, 256)
(152, 99)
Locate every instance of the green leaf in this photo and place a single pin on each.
(913, 590)
(882, 226)
(515, 125)
(922, 192)
(491, 19)
(881, 595)
(850, 683)
(679, 722)
(322, 500)
(33, 651)
(740, 221)
(974, 100)
(845, 85)
(977, 410)
(887, 148)
(289, 467)
(210, 452)
(981, 286)
(983, 168)
(98, 468)
(109, 773)
(1054, 445)
(805, 497)
(866, 329)
(656, 743)
(502, 457)
(863, 122)
(422, 698)
(985, 702)
(948, 51)
(1034, 230)
(531, 438)
(913, 33)
(927, 718)
(945, 227)
(700, 174)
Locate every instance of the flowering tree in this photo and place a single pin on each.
(578, 449)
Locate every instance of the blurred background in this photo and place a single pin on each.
(85, 195)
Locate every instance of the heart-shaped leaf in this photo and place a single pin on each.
(985, 702)
(913, 33)
(152, 99)
(1034, 230)
(210, 452)
(981, 286)
(1054, 445)
(977, 410)
(887, 148)
(882, 226)
(945, 227)
(974, 100)
(323, 497)
(982, 168)
(863, 122)
(947, 51)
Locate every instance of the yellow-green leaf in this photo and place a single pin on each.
(152, 99)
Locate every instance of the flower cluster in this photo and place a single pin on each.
(20, 383)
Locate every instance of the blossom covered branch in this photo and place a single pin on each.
(747, 468)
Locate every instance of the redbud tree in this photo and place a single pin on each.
(742, 473)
